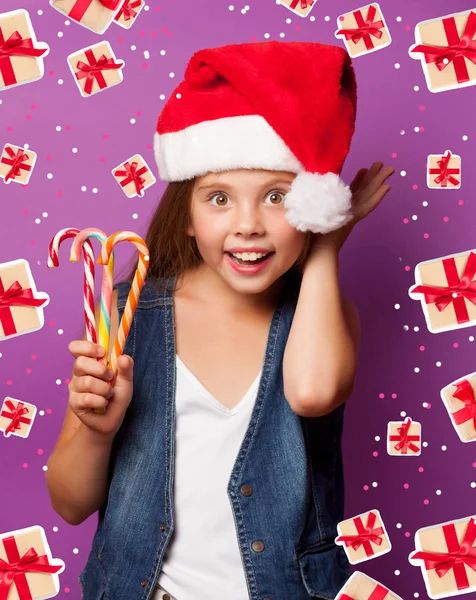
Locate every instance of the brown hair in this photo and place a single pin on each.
(172, 250)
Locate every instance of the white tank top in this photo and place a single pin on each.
(203, 560)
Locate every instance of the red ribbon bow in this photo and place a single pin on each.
(445, 174)
(132, 174)
(15, 161)
(81, 6)
(127, 10)
(364, 535)
(16, 415)
(457, 51)
(304, 3)
(15, 295)
(94, 69)
(15, 45)
(364, 29)
(457, 556)
(404, 440)
(457, 290)
(14, 570)
(379, 593)
(465, 393)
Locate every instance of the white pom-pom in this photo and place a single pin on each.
(319, 203)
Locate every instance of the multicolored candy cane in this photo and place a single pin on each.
(137, 285)
(53, 261)
(106, 290)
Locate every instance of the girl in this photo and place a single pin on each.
(217, 468)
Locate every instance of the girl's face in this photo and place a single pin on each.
(244, 208)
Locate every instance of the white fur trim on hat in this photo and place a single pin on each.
(319, 203)
(245, 142)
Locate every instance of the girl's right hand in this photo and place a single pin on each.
(90, 387)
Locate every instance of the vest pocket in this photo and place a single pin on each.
(324, 569)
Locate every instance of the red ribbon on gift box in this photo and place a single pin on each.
(15, 295)
(465, 393)
(132, 174)
(457, 51)
(15, 161)
(404, 440)
(127, 10)
(94, 69)
(81, 6)
(365, 535)
(457, 290)
(16, 415)
(445, 174)
(365, 28)
(14, 570)
(15, 45)
(457, 558)
(304, 3)
(379, 593)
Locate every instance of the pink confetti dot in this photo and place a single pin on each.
(366, 487)
(66, 590)
(48, 411)
(422, 348)
(420, 469)
(415, 186)
(33, 106)
(426, 501)
(137, 113)
(381, 395)
(9, 128)
(28, 371)
(474, 465)
(32, 243)
(456, 345)
(121, 40)
(33, 357)
(394, 396)
(461, 202)
(9, 382)
(374, 453)
(28, 117)
(428, 405)
(422, 128)
(25, 212)
(446, 219)
(157, 8)
(407, 27)
(405, 220)
(48, 157)
(142, 33)
(51, 73)
(101, 159)
(145, 65)
(40, 451)
(407, 267)
(341, 18)
(59, 193)
(394, 155)
(68, 127)
(51, 323)
(406, 486)
(149, 146)
(407, 534)
(153, 34)
(25, 465)
(105, 136)
(422, 107)
(426, 235)
(67, 381)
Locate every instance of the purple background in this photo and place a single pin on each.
(412, 224)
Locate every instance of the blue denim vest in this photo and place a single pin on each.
(286, 487)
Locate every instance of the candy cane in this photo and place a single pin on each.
(53, 261)
(106, 289)
(137, 285)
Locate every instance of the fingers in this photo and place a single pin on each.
(84, 365)
(85, 348)
(378, 178)
(355, 185)
(85, 402)
(89, 384)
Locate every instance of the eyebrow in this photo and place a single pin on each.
(229, 186)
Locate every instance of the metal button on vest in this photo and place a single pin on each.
(163, 527)
(166, 597)
(144, 583)
(246, 490)
(258, 546)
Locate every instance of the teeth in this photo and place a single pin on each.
(249, 255)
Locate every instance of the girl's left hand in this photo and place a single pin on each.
(368, 190)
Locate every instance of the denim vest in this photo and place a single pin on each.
(286, 487)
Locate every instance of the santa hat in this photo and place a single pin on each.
(280, 106)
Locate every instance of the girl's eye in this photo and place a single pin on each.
(222, 197)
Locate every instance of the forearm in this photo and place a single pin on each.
(320, 359)
(77, 475)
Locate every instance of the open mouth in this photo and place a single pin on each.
(248, 263)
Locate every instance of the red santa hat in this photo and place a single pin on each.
(280, 106)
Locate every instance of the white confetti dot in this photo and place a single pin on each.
(446, 61)
(37, 221)
(377, 438)
(425, 444)
(60, 82)
(374, 484)
(402, 132)
(40, 12)
(416, 595)
(231, 7)
(60, 331)
(75, 551)
(403, 173)
(424, 203)
(41, 413)
(162, 97)
(399, 19)
(26, 146)
(135, 216)
(417, 129)
(416, 328)
(397, 572)
(95, 190)
(67, 23)
(60, 34)
(132, 121)
(444, 448)
(397, 306)
(133, 47)
(1, 355)
(327, 18)
(415, 218)
(55, 529)
(178, 96)
(416, 88)
(438, 492)
(146, 54)
(0, 100)
(465, 138)
(438, 363)
(406, 328)
(171, 75)
(74, 150)
(83, 188)
(58, 382)
(473, 485)
(58, 127)
(397, 65)
(49, 175)
(398, 525)
(45, 214)
(288, 21)
(403, 414)
(44, 467)
(425, 404)
(471, 338)
(417, 369)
